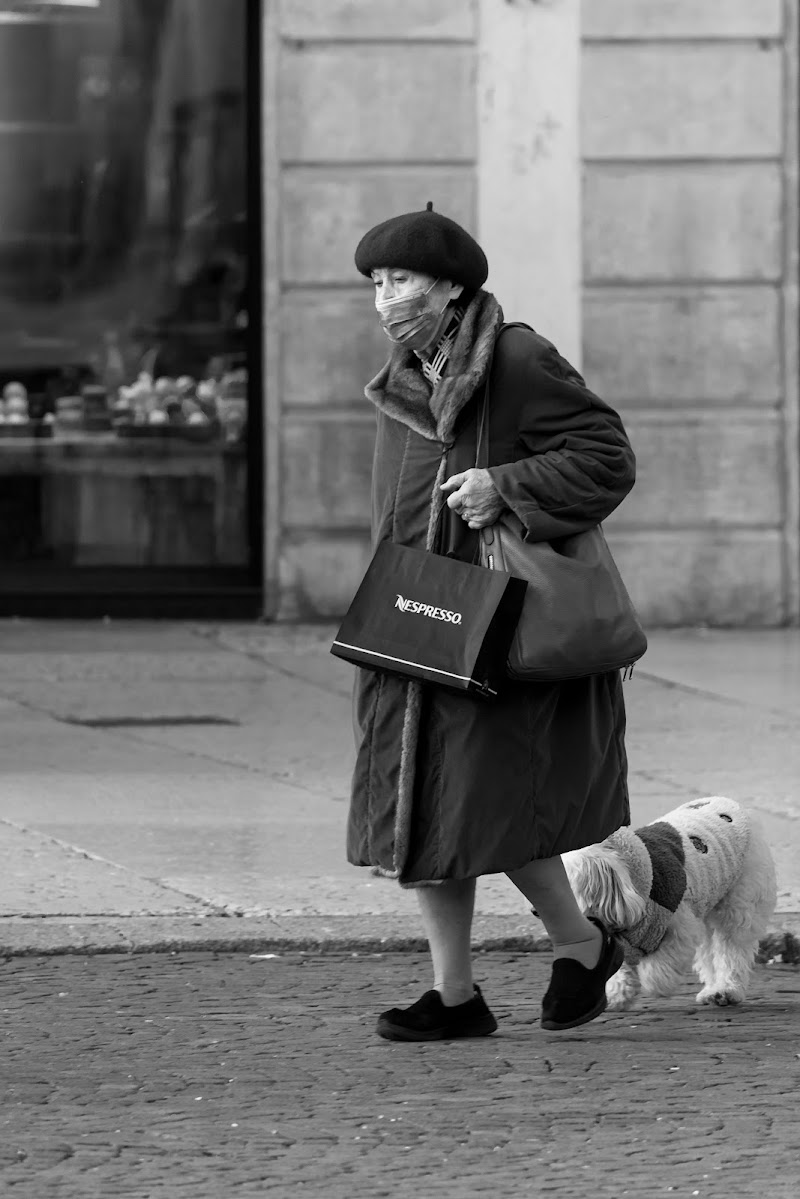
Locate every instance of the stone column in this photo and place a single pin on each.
(529, 184)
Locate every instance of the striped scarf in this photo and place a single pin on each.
(434, 366)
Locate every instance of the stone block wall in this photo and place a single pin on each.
(688, 232)
(360, 135)
(688, 219)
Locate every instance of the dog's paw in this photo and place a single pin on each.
(621, 991)
(620, 1003)
(722, 997)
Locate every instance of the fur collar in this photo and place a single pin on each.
(402, 392)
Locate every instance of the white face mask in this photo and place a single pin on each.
(409, 320)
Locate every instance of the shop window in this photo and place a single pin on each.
(128, 400)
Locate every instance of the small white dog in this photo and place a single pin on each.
(695, 887)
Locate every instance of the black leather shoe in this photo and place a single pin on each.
(429, 1020)
(577, 994)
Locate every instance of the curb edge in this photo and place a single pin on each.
(51, 936)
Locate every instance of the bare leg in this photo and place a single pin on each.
(447, 915)
(544, 884)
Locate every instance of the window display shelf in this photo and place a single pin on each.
(102, 447)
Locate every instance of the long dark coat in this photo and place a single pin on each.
(447, 785)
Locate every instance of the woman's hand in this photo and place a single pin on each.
(474, 497)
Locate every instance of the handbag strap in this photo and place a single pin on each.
(482, 442)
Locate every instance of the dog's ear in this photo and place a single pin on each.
(602, 885)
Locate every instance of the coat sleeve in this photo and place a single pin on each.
(573, 462)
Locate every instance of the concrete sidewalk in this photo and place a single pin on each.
(185, 786)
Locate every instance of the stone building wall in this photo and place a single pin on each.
(689, 209)
(360, 136)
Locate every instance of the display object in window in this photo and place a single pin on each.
(16, 418)
(211, 409)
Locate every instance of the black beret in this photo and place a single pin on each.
(427, 242)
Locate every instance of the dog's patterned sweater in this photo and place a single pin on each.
(659, 873)
(714, 830)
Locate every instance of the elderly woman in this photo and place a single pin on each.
(448, 787)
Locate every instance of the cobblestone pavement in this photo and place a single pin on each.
(209, 1076)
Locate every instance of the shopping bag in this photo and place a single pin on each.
(431, 617)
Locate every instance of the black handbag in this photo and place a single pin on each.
(577, 618)
(426, 616)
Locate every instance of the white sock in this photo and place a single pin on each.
(587, 951)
